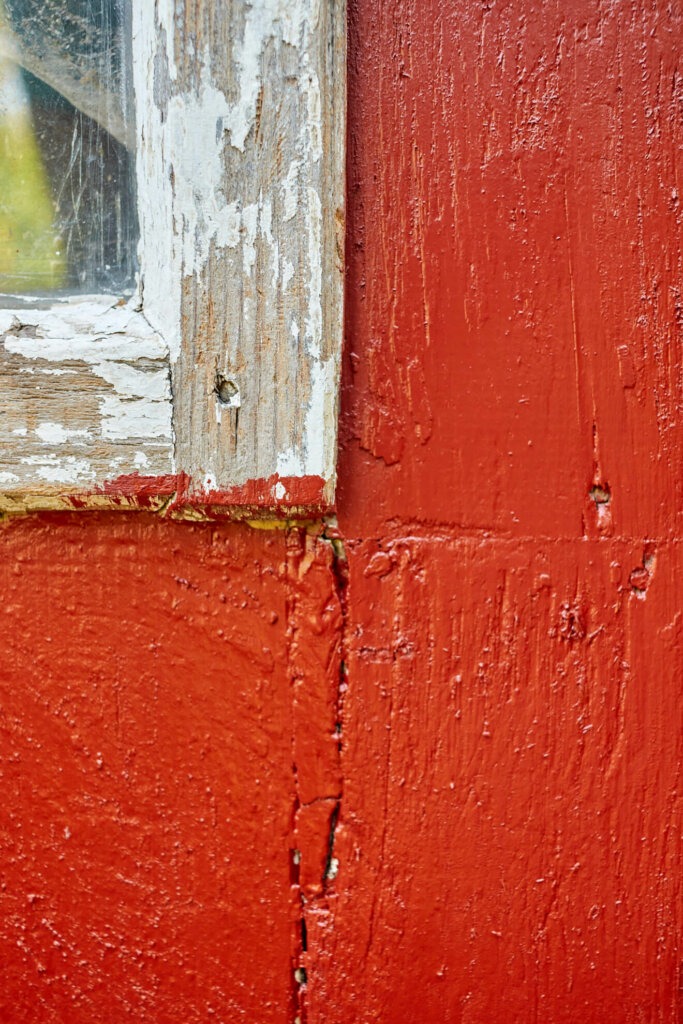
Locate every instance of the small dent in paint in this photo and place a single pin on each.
(572, 625)
(601, 496)
(641, 577)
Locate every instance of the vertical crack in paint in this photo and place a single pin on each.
(316, 575)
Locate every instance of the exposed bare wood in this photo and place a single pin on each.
(85, 397)
(240, 140)
(245, 275)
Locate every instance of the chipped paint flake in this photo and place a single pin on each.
(55, 433)
(55, 469)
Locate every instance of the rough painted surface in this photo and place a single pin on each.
(498, 838)
(510, 499)
(150, 777)
(510, 840)
(515, 266)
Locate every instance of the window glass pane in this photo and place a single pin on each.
(67, 202)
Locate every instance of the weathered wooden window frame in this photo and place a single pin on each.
(217, 384)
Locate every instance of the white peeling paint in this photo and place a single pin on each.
(259, 24)
(289, 190)
(310, 86)
(165, 13)
(137, 402)
(51, 433)
(204, 208)
(183, 144)
(287, 275)
(117, 362)
(290, 463)
(321, 409)
(314, 457)
(61, 470)
(250, 220)
(181, 199)
(130, 383)
(185, 137)
(55, 433)
(296, 19)
(314, 320)
(265, 20)
(124, 418)
(228, 227)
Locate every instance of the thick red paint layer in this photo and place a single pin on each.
(511, 499)
(170, 766)
(147, 778)
(510, 833)
(277, 495)
(515, 257)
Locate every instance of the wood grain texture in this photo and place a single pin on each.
(86, 396)
(244, 268)
(240, 164)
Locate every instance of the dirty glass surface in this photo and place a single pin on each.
(67, 202)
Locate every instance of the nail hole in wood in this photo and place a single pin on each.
(227, 392)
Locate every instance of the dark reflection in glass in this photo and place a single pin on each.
(67, 199)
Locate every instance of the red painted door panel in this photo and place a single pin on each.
(514, 266)
(146, 772)
(511, 500)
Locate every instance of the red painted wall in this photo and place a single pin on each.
(484, 684)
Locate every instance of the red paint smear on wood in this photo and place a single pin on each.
(275, 494)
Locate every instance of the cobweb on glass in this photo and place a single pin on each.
(68, 219)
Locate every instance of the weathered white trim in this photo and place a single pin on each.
(85, 393)
(240, 141)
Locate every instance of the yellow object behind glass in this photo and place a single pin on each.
(30, 249)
